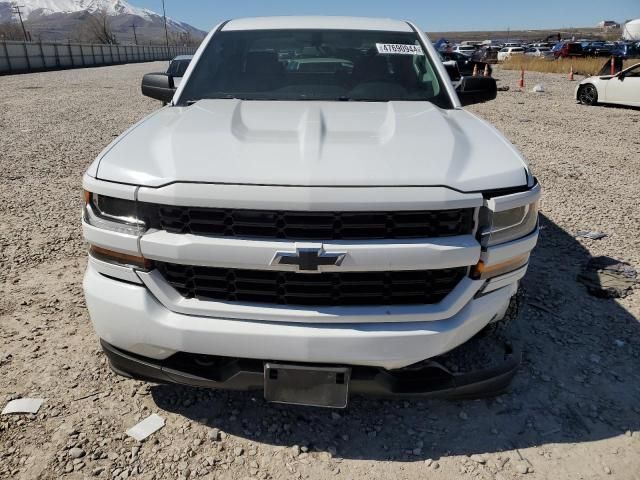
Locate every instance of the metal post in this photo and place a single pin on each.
(73, 64)
(164, 15)
(24, 31)
(82, 55)
(93, 54)
(55, 49)
(26, 55)
(44, 62)
(6, 55)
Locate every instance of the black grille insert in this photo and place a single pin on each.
(321, 289)
(310, 225)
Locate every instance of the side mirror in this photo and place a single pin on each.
(477, 90)
(159, 86)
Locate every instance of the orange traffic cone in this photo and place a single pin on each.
(521, 81)
(613, 66)
(486, 70)
(571, 73)
(475, 70)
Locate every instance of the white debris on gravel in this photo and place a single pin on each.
(23, 405)
(587, 159)
(146, 427)
(591, 235)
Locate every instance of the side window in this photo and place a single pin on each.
(426, 75)
(635, 73)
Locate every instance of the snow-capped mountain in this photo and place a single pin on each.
(112, 7)
(54, 19)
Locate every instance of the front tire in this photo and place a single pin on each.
(588, 94)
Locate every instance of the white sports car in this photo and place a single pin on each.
(622, 88)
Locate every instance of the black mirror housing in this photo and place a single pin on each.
(159, 86)
(477, 90)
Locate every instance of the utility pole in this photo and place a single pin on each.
(166, 33)
(16, 9)
(135, 37)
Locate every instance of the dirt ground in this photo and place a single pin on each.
(573, 411)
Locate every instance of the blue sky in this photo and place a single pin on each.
(430, 15)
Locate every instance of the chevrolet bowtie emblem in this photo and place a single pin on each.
(308, 259)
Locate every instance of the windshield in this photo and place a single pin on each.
(338, 65)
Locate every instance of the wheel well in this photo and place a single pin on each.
(582, 87)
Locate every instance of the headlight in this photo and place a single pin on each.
(509, 224)
(112, 213)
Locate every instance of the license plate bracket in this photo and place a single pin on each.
(307, 385)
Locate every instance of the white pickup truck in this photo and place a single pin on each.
(313, 214)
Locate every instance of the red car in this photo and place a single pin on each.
(569, 49)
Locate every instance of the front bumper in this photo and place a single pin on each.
(128, 316)
(430, 380)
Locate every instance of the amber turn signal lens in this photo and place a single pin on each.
(87, 197)
(484, 271)
(120, 258)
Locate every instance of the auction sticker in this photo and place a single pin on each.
(399, 49)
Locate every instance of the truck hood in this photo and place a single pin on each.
(314, 144)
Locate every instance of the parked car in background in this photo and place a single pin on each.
(596, 49)
(622, 88)
(309, 234)
(542, 44)
(626, 50)
(506, 52)
(543, 52)
(464, 49)
(486, 55)
(177, 67)
(569, 49)
(465, 64)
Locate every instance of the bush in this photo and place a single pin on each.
(581, 66)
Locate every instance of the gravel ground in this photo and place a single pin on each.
(572, 412)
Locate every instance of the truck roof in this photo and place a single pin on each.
(318, 22)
